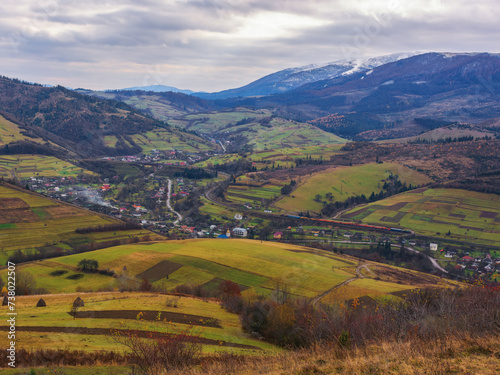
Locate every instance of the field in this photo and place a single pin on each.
(468, 216)
(258, 267)
(163, 140)
(29, 220)
(25, 166)
(279, 133)
(261, 192)
(345, 182)
(284, 157)
(10, 132)
(92, 329)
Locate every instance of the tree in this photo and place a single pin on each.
(25, 283)
(318, 197)
(88, 265)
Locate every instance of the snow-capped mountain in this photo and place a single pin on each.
(292, 78)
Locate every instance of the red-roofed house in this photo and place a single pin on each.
(467, 258)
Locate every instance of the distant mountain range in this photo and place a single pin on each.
(156, 88)
(292, 78)
(394, 99)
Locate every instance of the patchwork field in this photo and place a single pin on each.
(284, 157)
(24, 166)
(257, 267)
(164, 140)
(345, 182)
(28, 220)
(255, 193)
(468, 216)
(107, 316)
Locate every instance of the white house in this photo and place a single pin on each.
(433, 246)
(240, 232)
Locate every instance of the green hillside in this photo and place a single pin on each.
(258, 267)
(29, 220)
(466, 215)
(345, 182)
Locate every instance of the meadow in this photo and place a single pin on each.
(465, 215)
(105, 317)
(10, 132)
(344, 182)
(25, 166)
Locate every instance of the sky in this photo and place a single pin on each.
(212, 45)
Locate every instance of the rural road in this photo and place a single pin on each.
(179, 216)
(359, 275)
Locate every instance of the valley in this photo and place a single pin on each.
(330, 208)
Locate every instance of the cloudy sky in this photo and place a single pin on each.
(212, 45)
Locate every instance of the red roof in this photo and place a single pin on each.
(467, 258)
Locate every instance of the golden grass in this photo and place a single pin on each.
(479, 356)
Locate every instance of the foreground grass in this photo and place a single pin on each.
(479, 356)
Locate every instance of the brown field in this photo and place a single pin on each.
(160, 270)
(151, 315)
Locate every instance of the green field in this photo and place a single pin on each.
(279, 133)
(258, 267)
(53, 327)
(282, 157)
(252, 264)
(255, 195)
(28, 220)
(344, 182)
(10, 132)
(25, 166)
(468, 216)
(166, 140)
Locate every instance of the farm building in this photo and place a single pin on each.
(433, 246)
(240, 232)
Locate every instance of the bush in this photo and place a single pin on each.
(162, 353)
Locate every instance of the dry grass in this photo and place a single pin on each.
(466, 356)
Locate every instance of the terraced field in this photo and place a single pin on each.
(28, 220)
(345, 182)
(25, 166)
(108, 316)
(468, 216)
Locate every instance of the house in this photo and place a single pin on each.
(240, 232)
(448, 255)
(278, 235)
(433, 246)
(467, 258)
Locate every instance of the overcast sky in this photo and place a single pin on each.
(212, 45)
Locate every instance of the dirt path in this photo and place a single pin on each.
(359, 275)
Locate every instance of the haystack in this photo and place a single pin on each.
(5, 301)
(78, 302)
(41, 303)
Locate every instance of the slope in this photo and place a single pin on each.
(29, 220)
